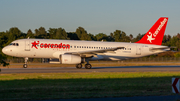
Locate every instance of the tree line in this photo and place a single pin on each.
(80, 34)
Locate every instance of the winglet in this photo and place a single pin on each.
(156, 33)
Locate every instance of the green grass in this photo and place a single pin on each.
(84, 85)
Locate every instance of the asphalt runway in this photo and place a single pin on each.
(93, 69)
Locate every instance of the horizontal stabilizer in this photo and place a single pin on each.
(159, 49)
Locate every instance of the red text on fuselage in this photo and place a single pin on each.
(48, 45)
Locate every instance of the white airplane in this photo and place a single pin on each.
(78, 52)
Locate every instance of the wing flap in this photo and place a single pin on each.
(91, 53)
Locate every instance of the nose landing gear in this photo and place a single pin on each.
(25, 64)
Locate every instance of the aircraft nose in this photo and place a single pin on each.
(5, 50)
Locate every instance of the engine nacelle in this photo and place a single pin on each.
(69, 59)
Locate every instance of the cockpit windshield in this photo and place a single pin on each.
(14, 44)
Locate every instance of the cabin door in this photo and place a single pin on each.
(27, 45)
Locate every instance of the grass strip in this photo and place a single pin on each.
(84, 85)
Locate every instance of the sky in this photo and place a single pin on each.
(95, 16)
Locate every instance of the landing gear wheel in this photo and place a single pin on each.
(88, 66)
(79, 66)
(25, 65)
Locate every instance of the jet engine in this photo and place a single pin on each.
(69, 59)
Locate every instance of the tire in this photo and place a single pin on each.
(79, 66)
(25, 65)
(88, 66)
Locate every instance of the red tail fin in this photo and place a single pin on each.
(156, 33)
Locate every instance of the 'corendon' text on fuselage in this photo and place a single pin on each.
(49, 45)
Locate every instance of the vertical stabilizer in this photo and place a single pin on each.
(156, 33)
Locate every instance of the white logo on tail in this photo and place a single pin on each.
(150, 37)
(156, 32)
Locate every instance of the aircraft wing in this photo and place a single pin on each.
(91, 53)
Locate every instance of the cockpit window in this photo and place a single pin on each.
(14, 44)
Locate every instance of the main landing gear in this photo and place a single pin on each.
(87, 66)
(25, 64)
(79, 66)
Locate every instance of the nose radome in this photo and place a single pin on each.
(4, 50)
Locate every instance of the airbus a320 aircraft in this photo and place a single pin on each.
(78, 52)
